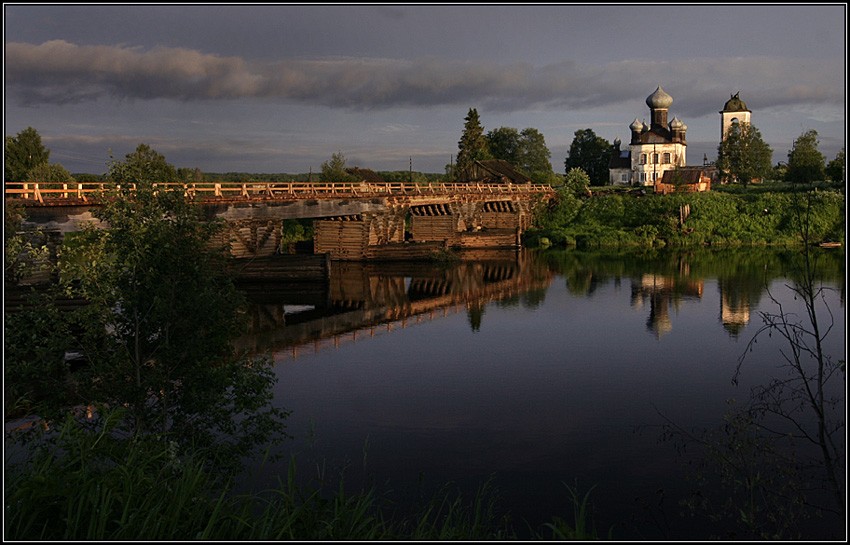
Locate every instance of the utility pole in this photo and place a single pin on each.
(654, 163)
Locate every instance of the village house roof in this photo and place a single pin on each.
(496, 171)
(685, 175)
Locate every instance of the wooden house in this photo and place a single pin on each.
(494, 171)
(684, 179)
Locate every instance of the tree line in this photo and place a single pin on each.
(742, 156)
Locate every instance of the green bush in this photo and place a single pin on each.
(730, 218)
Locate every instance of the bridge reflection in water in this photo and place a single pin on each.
(364, 299)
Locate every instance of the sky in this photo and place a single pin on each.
(280, 88)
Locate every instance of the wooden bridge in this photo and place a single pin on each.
(352, 221)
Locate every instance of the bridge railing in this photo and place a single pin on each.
(46, 191)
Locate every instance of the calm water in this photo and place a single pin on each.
(535, 371)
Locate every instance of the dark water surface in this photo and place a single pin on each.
(533, 371)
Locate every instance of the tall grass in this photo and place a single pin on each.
(83, 484)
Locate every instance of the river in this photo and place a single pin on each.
(536, 372)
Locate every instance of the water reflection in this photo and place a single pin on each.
(536, 367)
(365, 299)
(662, 293)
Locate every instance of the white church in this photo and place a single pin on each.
(661, 146)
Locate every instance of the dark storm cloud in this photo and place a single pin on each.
(61, 72)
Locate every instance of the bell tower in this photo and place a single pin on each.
(734, 111)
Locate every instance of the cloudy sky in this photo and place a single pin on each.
(280, 88)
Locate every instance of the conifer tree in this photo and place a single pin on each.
(472, 145)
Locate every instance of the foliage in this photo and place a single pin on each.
(503, 143)
(534, 157)
(333, 170)
(85, 177)
(26, 253)
(836, 170)
(779, 171)
(716, 218)
(36, 375)
(742, 155)
(525, 150)
(579, 529)
(780, 458)
(143, 166)
(49, 173)
(23, 152)
(567, 203)
(408, 176)
(576, 182)
(86, 482)
(805, 162)
(590, 153)
(160, 316)
(472, 145)
(190, 175)
(294, 231)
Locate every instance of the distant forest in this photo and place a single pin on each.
(195, 175)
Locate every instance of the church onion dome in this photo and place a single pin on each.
(676, 124)
(617, 142)
(659, 99)
(636, 126)
(735, 104)
(684, 127)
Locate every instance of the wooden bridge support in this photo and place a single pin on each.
(490, 224)
(253, 238)
(353, 237)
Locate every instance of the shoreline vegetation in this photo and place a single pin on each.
(115, 489)
(85, 480)
(765, 214)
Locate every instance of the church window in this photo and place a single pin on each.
(655, 158)
(643, 176)
(643, 158)
(666, 159)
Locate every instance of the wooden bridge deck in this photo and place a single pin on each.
(39, 193)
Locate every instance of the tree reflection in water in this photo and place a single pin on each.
(780, 460)
(750, 484)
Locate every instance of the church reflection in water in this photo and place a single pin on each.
(663, 292)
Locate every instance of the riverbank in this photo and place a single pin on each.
(769, 215)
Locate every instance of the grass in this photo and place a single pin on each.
(757, 215)
(83, 484)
